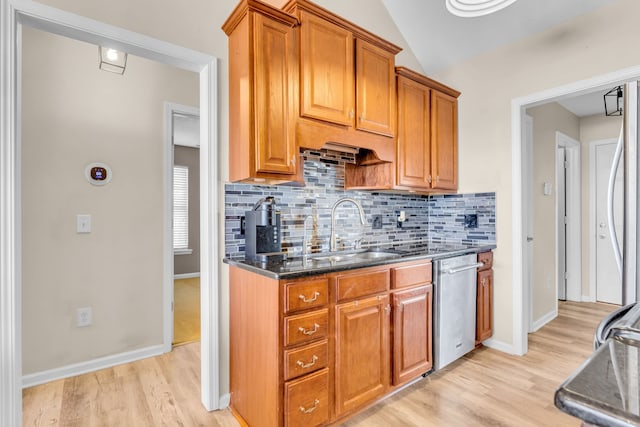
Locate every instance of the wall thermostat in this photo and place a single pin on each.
(98, 173)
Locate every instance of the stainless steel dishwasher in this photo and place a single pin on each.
(455, 312)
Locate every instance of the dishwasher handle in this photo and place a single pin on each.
(464, 268)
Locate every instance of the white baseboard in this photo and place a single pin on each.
(225, 399)
(37, 378)
(186, 275)
(543, 320)
(498, 345)
(588, 298)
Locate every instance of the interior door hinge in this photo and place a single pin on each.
(566, 164)
(566, 275)
(566, 219)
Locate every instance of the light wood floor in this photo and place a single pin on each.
(484, 388)
(186, 310)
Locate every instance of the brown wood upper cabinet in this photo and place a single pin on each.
(262, 98)
(344, 79)
(427, 137)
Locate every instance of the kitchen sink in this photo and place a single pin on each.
(353, 256)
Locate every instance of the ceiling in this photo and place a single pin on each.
(439, 39)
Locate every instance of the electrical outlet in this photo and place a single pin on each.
(243, 225)
(377, 222)
(471, 221)
(84, 317)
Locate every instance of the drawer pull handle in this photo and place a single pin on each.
(309, 331)
(312, 299)
(310, 410)
(303, 365)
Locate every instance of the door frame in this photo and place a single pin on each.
(573, 243)
(528, 216)
(168, 285)
(593, 223)
(518, 107)
(14, 14)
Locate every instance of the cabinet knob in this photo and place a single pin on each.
(351, 114)
(387, 309)
(429, 179)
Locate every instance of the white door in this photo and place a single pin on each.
(562, 223)
(608, 283)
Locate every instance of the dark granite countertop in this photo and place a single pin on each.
(299, 267)
(605, 390)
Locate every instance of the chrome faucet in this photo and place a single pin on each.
(363, 219)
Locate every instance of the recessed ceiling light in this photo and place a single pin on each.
(474, 8)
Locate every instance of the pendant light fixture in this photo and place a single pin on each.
(475, 8)
(112, 60)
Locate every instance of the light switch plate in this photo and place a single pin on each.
(83, 224)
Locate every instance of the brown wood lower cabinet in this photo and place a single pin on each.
(314, 351)
(412, 333)
(362, 352)
(484, 298)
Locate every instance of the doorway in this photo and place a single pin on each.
(185, 139)
(606, 279)
(568, 219)
(15, 15)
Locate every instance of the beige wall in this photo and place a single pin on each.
(592, 128)
(75, 114)
(579, 49)
(547, 120)
(196, 25)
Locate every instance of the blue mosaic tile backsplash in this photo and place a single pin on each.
(434, 218)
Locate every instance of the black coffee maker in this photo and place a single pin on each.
(263, 232)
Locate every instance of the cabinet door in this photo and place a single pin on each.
(412, 333)
(375, 89)
(274, 131)
(327, 72)
(444, 140)
(362, 355)
(414, 134)
(484, 321)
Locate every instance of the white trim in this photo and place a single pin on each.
(499, 345)
(172, 107)
(37, 378)
(573, 244)
(209, 231)
(544, 320)
(184, 251)
(593, 226)
(528, 219)
(186, 276)
(517, 233)
(12, 14)
(518, 106)
(225, 399)
(10, 245)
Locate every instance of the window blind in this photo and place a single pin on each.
(180, 207)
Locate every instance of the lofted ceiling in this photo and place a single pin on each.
(439, 39)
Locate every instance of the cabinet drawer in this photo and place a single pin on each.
(306, 400)
(356, 285)
(487, 259)
(305, 359)
(411, 275)
(306, 327)
(305, 294)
